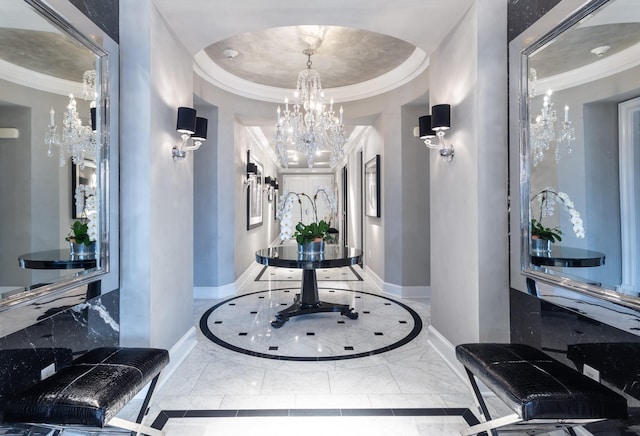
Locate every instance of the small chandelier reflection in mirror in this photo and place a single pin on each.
(75, 140)
(309, 126)
(543, 129)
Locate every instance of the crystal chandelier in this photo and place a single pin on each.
(309, 126)
(75, 140)
(543, 130)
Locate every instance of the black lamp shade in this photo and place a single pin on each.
(267, 180)
(252, 168)
(186, 120)
(93, 119)
(201, 129)
(424, 125)
(441, 117)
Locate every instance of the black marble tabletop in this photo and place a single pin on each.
(567, 257)
(287, 256)
(56, 259)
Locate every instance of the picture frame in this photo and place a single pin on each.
(86, 176)
(276, 203)
(254, 195)
(372, 187)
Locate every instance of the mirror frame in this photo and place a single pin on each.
(107, 271)
(543, 31)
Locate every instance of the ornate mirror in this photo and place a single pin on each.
(54, 154)
(579, 128)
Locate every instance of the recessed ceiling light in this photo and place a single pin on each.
(600, 51)
(230, 53)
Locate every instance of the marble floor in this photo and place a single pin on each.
(219, 390)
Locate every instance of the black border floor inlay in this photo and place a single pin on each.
(417, 328)
(165, 415)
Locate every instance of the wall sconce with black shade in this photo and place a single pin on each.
(252, 171)
(268, 188)
(191, 127)
(268, 183)
(434, 126)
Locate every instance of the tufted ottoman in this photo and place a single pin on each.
(541, 391)
(91, 390)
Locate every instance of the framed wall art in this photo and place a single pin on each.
(372, 187)
(254, 195)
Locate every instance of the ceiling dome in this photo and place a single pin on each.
(264, 64)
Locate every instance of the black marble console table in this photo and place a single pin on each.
(567, 257)
(308, 301)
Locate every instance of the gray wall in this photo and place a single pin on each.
(416, 234)
(207, 234)
(222, 176)
(15, 172)
(156, 192)
(403, 209)
(469, 285)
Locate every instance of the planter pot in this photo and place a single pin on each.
(313, 247)
(81, 250)
(541, 245)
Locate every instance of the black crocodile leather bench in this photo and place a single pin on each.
(90, 391)
(544, 393)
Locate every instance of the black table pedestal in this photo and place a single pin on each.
(308, 301)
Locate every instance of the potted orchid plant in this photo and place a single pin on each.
(310, 237)
(542, 236)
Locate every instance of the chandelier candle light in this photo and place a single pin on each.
(308, 125)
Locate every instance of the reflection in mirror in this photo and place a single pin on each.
(52, 93)
(581, 85)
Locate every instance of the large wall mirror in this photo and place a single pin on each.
(579, 129)
(54, 153)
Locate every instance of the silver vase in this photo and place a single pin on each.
(82, 250)
(313, 247)
(540, 245)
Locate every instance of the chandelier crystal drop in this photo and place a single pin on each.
(309, 126)
(75, 140)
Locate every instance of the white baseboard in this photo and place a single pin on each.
(214, 292)
(373, 278)
(406, 291)
(447, 351)
(397, 290)
(177, 354)
(228, 290)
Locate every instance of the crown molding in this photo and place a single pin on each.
(31, 79)
(404, 73)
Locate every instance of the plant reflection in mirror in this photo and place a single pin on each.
(546, 200)
(85, 230)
